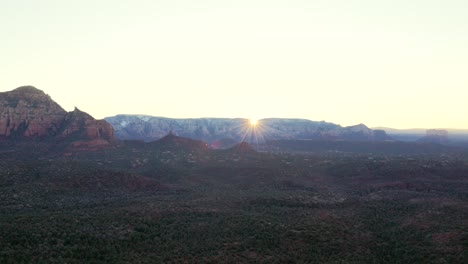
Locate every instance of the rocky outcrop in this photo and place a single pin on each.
(217, 130)
(80, 124)
(29, 113)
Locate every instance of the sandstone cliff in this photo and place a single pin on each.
(29, 113)
(80, 124)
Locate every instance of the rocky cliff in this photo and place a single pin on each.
(82, 125)
(218, 130)
(29, 113)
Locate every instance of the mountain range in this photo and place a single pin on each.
(215, 130)
(27, 113)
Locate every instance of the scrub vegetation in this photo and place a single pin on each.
(183, 203)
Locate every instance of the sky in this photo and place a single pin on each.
(398, 63)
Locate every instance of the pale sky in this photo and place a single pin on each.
(394, 63)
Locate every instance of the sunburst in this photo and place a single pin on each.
(253, 121)
(255, 131)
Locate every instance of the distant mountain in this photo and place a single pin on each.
(439, 136)
(219, 131)
(421, 131)
(421, 134)
(27, 113)
(389, 130)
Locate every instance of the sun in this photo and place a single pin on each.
(253, 121)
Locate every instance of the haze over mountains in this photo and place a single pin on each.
(416, 134)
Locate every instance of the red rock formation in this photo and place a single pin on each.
(27, 112)
(85, 126)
